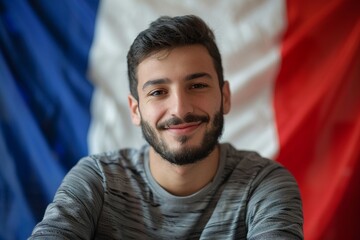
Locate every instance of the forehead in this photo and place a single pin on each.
(176, 63)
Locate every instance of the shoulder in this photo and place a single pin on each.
(250, 165)
(126, 155)
(124, 158)
(259, 177)
(272, 195)
(109, 167)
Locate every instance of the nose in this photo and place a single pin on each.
(181, 104)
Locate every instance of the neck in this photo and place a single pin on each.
(186, 179)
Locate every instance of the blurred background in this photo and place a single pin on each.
(294, 72)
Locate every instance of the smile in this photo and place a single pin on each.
(183, 128)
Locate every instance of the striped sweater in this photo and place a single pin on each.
(114, 196)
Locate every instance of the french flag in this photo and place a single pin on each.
(293, 68)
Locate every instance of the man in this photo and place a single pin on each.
(184, 184)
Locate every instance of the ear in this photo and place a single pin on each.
(134, 110)
(226, 97)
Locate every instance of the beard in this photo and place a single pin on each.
(190, 154)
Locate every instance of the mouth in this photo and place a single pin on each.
(183, 128)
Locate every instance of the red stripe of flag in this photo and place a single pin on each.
(317, 109)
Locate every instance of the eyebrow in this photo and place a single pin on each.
(155, 82)
(167, 80)
(198, 75)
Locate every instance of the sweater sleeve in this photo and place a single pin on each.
(274, 208)
(77, 205)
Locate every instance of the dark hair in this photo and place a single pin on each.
(169, 32)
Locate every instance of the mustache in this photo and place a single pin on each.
(187, 119)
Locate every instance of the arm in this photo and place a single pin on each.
(275, 208)
(77, 205)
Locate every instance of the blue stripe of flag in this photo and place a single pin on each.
(44, 103)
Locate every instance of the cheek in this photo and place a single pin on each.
(151, 113)
(210, 105)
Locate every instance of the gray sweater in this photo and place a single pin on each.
(114, 196)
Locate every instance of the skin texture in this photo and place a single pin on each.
(180, 108)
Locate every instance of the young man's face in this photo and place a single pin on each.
(181, 105)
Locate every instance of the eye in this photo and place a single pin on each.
(156, 93)
(198, 86)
